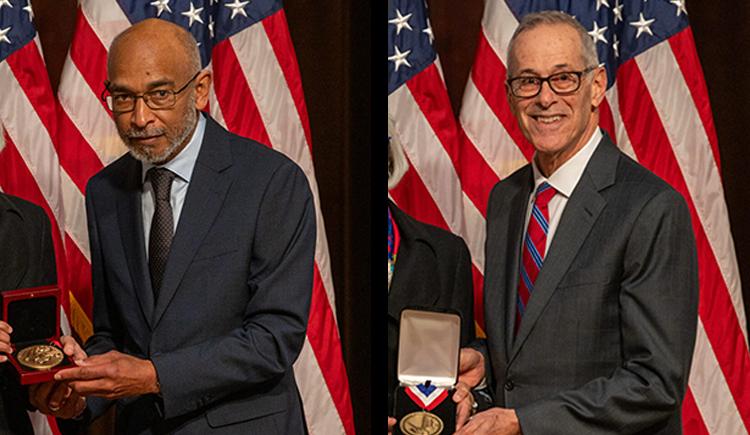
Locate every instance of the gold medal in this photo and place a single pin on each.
(421, 423)
(40, 357)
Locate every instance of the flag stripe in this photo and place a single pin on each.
(654, 150)
(321, 329)
(412, 196)
(709, 390)
(691, 419)
(235, 98)
(89, 56)
(281, 43)
(686, 54)
(488, 75)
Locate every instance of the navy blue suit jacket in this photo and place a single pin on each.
(231, 315)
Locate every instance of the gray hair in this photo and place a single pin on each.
(530, 21)
(397, 163)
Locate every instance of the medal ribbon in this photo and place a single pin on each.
(427, 397)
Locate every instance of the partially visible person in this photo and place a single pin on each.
(27, 259)
(427, 267)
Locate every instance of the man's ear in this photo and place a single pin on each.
(598, 86)
(202, 86)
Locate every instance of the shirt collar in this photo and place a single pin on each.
(184, 162)
(566, 177)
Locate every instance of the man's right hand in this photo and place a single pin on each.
(5, 346)
(56, 398)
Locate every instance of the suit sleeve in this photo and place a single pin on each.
(268, 342)
(658, 307)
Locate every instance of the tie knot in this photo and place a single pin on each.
(544, 194)
(161, 182)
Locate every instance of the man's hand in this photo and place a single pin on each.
(495, 421)
(111, 375)
(72, 349)
(465, 401)
(5, 347)
(56, 398)
(470, 374)
(391, 425)
(470, 367)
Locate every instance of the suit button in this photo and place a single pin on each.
(509, 385)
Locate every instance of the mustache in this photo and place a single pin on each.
(134, 133)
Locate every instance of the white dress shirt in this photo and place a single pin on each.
(564, 180)
(182, 165)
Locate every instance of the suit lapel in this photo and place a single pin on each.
(208, 187)
(130, 219)
(581, 212)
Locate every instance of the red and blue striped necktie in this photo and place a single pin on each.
(534, 247)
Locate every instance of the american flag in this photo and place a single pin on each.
(658, 112)
(422, 121)
(29, 166)
(257, 93)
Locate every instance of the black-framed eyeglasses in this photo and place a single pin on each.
(562, 83)
(158, 99)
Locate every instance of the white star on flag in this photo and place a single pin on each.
(616, 45)
(428, 31)
(599, 4)
(194, 15)
(3, 35)
(617, 11)
(211, 25)
(161, 6)
(680, 6)
(643, 25)
(28, 9)
(400, 58)
(237, 8)
(5, 3)
(401, 21)
(597, 34)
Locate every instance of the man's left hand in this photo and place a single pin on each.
(111, 375)
(494, 421)
(464, 404)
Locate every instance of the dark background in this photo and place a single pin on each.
(722, 38)
(333, 51)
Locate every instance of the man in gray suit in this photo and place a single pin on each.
(591, 286)
(202, 247)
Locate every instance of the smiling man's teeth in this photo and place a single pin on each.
(548, 119)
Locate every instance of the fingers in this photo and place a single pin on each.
(391, 424)
(72, 407)
(5, 346)
(57, 396)
(72, 348)
(39, 394)
(461, 392)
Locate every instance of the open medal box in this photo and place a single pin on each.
(428, 355)
(34, 315)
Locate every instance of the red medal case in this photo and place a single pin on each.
(34, 315)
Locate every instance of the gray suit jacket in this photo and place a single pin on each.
(232, 312)
(607, 339)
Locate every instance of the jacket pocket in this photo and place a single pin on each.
(256, 407)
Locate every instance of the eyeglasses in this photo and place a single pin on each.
(158, 99)
(562, 83)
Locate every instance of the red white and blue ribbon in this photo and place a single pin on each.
(428, 397)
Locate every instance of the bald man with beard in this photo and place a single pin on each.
(202, 247)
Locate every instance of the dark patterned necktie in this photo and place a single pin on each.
(162, 225)
(534, 247)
